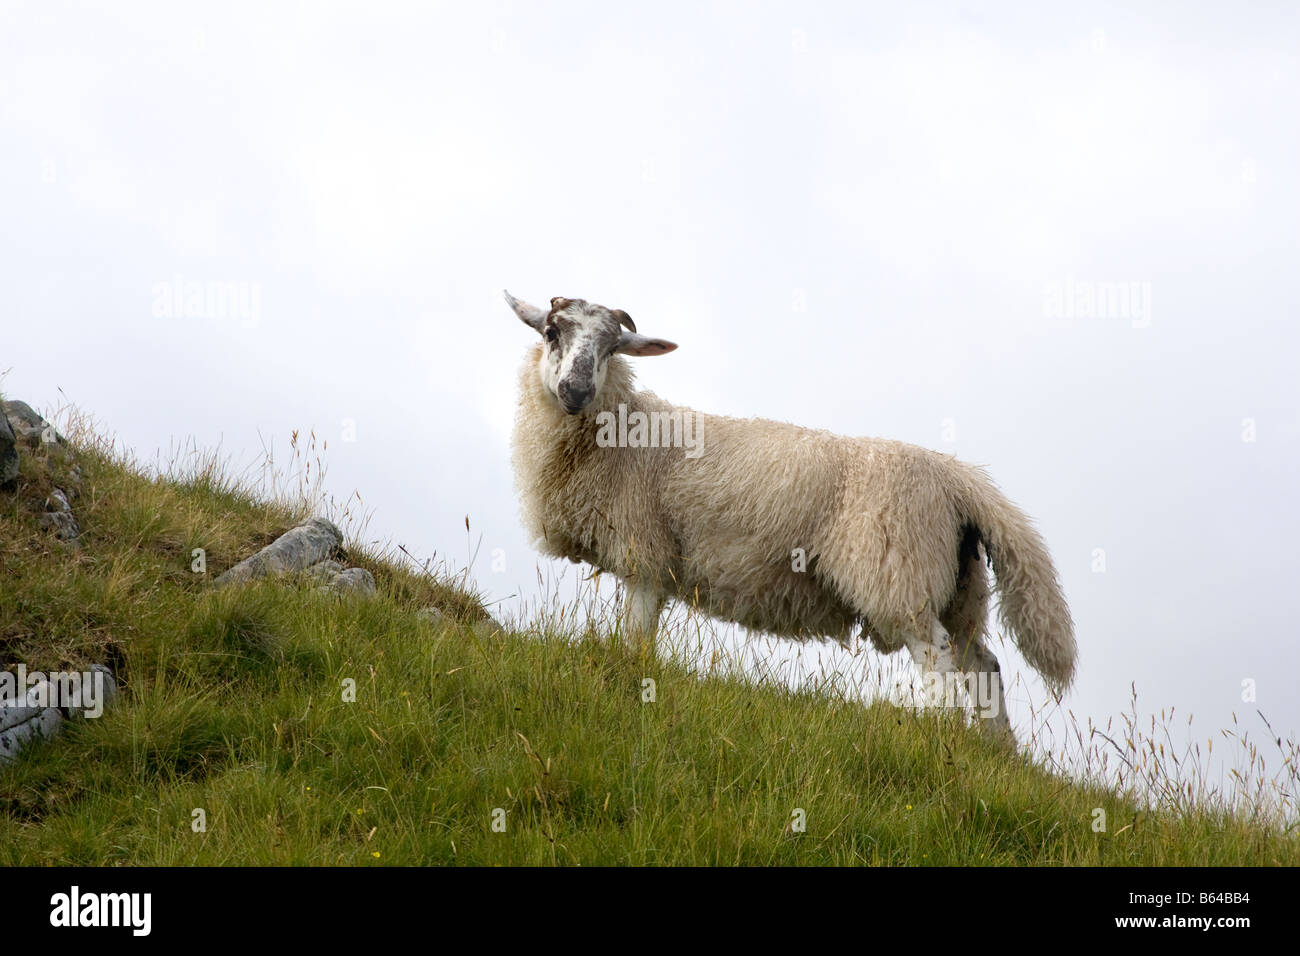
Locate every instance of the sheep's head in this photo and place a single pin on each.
(578, 339)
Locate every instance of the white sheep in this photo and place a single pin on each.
(786, 530)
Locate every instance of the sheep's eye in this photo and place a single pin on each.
(552, 334)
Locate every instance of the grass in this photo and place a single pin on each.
(274, 725)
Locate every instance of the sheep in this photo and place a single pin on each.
(795, 532)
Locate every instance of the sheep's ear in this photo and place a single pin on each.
(530, 314)
(630, 343)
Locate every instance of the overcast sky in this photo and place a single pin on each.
(875, 219)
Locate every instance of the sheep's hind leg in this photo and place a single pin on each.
(642, 606)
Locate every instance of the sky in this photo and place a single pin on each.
(1057, 242)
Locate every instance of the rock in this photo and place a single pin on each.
(29, 426)
(354, 581)
(8, 453)
(324, 572)
(305, 549)
(62, 523)
(59, 518)
(110, 682)
(43, 709)
(20, 423)
(298, 549)
(106, 694)
(43, 723)
(20, 724)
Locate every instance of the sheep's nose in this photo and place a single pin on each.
(574, 399)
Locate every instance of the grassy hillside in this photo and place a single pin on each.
(233, 703)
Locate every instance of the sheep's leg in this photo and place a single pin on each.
(641, 608)
(984, 684)
(936, 664)
(965, 619)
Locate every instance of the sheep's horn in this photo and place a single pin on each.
(529, 314)
(625, 320)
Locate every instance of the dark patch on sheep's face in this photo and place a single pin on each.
(580, 337)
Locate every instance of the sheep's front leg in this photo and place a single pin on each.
(984, 684)
(943, 666)
(642, 605)
(935, 664)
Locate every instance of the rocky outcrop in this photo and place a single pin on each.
(25, 724)
(8, 453)
(40, 713)
(312, 542)
(59, 518)
(307, 550)
(356, 581)
(21, 427)
(29, 426)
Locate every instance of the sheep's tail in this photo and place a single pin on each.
(1031, 605)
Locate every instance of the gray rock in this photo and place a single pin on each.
(29, 426)
(59, 518)
(44, 723)
(108, 693)
(13, 713)
(298, 549)
(324, 572)
(62, 523)
(110, 682)
(20, 423)
(353, 581)
(8, 453)
(22, 723)
(40, 713)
